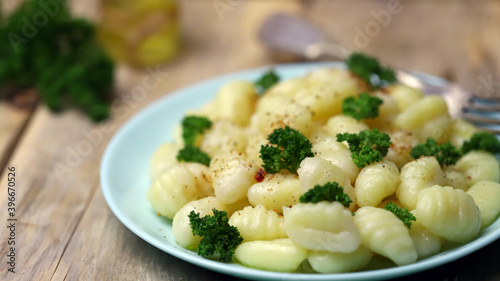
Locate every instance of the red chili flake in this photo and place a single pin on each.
(259, 176)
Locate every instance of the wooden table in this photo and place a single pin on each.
(64, 228)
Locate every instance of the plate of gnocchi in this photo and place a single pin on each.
(311, 171)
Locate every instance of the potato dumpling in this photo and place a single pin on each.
(235, 101)
(331, 262)
(232, 175)
(376, 182)
(384, 233)
(275, 191)
(449, 213)
(172, 190)
(478, 166)
(486, 195)
(324, 226)
(257, 223)
(276, 255)
(415, 177)
(183, 233)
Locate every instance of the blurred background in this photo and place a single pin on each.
(456, 40)
(157, 46)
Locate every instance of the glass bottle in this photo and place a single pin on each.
(139, 32)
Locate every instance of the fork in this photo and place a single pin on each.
(292, 35)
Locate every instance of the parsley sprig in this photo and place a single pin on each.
(191, 153)
(266, 81)
(370, 70)
(287, 148)
(363, 107)
(482, 141)
(446, 154)
(218, 236)
(330, 191)
(403, 214)
(368, 146)
(192, 128)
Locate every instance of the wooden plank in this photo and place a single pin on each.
(12, 123)
(48, 206)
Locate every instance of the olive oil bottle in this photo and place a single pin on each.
(139, 32)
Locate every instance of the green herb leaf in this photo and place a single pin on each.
(191, 153)
(364, 107)
(291, 148)
(266, 81)
(331, 191)
(61, 59)
(446, 153)
(218, 236)
(369, 146)
(193, 126)
(482, 141)
(403, 214)
(369, 69)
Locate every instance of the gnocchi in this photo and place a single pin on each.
(275, 191)
(232, 176)
(336, 262)
(172, 190)
(449, 213)
(384, 233)
(275, 255)
(477, 166)
(257, 223)
(180, 224)
(486, 195)
(322, 226)
(376, 182)
(416, 176)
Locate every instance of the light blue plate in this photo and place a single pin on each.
(125, 181)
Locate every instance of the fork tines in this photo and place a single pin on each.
(484, 112)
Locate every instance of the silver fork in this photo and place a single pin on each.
(287, 33)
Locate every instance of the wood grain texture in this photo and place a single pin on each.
(66, 230)
(14, 121)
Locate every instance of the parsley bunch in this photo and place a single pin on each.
(58, 57)
(369, 146)
(218, 236)
(289, 148)
(370, 70)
